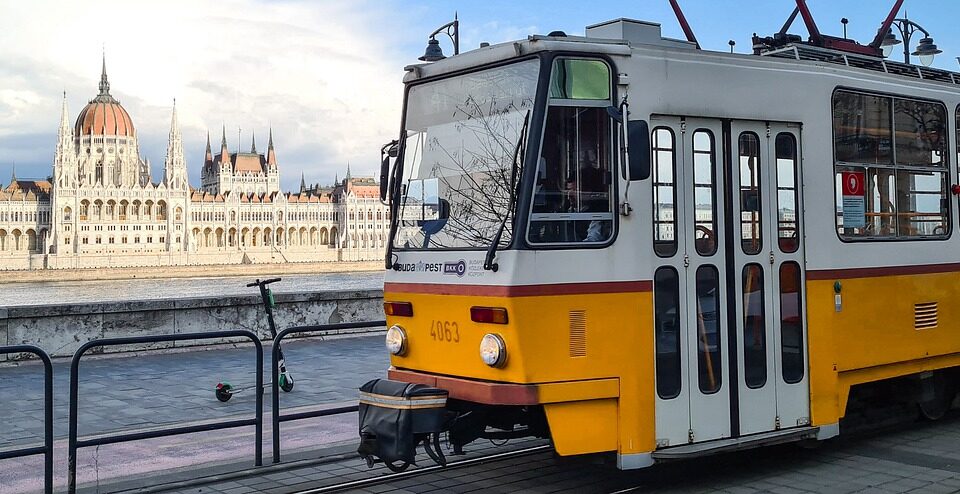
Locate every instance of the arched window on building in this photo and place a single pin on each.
(67, 214)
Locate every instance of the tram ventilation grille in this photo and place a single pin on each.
(925, 315)
(578, 333)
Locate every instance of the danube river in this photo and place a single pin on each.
(72, 292)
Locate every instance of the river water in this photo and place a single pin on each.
(72, 292)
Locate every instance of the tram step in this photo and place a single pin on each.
(752, 441)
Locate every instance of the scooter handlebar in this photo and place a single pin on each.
(264, 282)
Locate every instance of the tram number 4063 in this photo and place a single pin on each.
(445, 331)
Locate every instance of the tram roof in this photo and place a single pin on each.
(622, 36)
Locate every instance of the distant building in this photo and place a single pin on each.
(101, 207)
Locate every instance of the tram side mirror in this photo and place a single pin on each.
(386, 152)
(638, 145)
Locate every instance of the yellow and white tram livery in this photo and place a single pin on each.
(630, 245)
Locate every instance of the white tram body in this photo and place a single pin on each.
(735, 296)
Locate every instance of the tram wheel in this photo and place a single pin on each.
(223, 393)
(398, 467)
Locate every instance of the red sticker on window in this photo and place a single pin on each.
(852, 183)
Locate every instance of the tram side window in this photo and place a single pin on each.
(754, 327)
(666, 300)
(788, 230)
(704, 169)
(709, 364)
(751, 230)
(664, 197)
(891, 179)
(791, 323)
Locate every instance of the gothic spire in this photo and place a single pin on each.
(174, 125)
(13, 175)
(348, 171)
(104, 83)
(303, 184)
(208, 156)
(174, 167)
(64, 116)
(253, 142)
(271, 154)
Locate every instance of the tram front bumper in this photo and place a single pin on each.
(412, 408)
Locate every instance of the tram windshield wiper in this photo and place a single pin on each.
(488, 262)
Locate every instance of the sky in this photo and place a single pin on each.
(325, 75)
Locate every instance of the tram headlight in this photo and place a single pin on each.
(493, 351)
(396, 340)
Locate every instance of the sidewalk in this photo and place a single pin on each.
(124, 393)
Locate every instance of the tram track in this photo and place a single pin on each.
(393, 477)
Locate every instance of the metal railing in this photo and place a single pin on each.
(47, 449)
(275, 382)
(74, 443)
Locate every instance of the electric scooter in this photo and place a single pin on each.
(225, 390)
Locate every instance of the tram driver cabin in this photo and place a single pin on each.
(783, 249)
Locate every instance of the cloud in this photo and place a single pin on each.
(325, 75)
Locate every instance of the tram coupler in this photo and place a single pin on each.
(396, 417)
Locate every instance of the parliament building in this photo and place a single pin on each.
(101, 208)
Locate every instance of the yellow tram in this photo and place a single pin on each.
(628, 244)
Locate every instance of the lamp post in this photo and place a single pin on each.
(433, 51)
(926, 49)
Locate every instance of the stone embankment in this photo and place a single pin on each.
(61, 329)
(188, 271)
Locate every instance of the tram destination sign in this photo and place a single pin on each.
(854, 210)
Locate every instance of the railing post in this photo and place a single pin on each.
(275, 370)
(47, 448)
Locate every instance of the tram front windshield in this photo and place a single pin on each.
(460, 135)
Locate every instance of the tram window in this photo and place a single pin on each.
(897, 204)
(580, 79)
(921, 132)
(754, 328)
(751, 230)
(664, 197)
(704, 170)
(709, 364)
(666, 296)
(861, 126)
(788, 229)
(791, 323)
(573, 199)
(897, 141)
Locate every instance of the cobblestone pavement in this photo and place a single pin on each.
(915, 457)
(133, 392)
(120, 392)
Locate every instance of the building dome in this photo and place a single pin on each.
(103, 115)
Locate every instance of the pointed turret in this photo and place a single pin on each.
(224, 151)
(13, 174)
(174, 167)
(104, 83)
(303, 184)
(64, 170)
(271, 154)
(348, 172)
(208, 155)
(253, 143)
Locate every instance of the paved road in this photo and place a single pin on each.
(914, 457)
(133, 392)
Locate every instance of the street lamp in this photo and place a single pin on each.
(433, 51)
(926, 49)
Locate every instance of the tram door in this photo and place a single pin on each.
(767, 260)
(707, 390)
(692, 375)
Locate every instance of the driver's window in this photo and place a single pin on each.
(573, 194)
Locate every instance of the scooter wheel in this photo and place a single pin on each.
(285, 385)
(223, 393)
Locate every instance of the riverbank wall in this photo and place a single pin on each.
(61, 329)
(148, 272)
